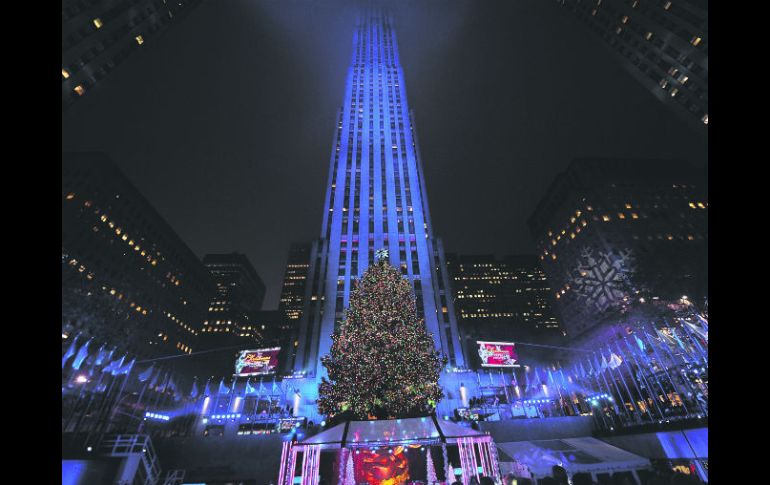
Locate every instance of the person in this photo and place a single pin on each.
(485, 480)
(582, 479)
(560, 475)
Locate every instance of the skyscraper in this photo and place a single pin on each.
(240, 292)
(375, 198)
(663, 44)
(505, 299)
(127, 278)
(292, 302)
(612, 233)
(98, 35)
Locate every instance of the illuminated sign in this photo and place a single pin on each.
(256, 362)
(497, 354)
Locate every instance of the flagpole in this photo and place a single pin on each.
(665, 370)
(628, 390)
(615, 385)
(686, 382)
(633, 381)
(647, 384)
(654, 374)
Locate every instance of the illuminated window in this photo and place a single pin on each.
(79, 89)
(606, 218)
(692, 205)
(634, 215)
(705, 119)
(139, 39)
(667, 6)
(64, 73)
(621, 215)
(98, 23)
(70, 196)
(695, 40)
(625, 19)
(674, 92)
(648, 35)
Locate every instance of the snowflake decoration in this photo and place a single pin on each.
(602, 279)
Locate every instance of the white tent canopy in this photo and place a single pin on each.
(576, 455)
(426, 430)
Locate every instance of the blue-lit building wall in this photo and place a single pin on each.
(375, 198)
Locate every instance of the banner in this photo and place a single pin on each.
(497, 354)
(257, 362)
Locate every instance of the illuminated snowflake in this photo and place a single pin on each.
(601, 279)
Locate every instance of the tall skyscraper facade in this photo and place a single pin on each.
(98, 35)
(240, 292)
(616, 233)
(375, 199)
(501, 299)
(128, 280)
(663, 44)
(292, 302)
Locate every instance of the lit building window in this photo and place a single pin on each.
(139, 39)
(648, 35)
(625, 19)
(705, 119)
(79, 89)
(667, 6)
(695, 40)
(98, 23)
(65, 73)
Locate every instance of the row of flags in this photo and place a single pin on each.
(118, 366)
(687, 344)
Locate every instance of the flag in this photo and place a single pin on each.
(70, 351)
(698, 331)
(206, 390)
(615, 361)
(194, 390)
(103, 355)
(126, 369)
(640, 343)
(222, 387)
(146, 374)
(82, 354)
(249, 388)
(114, 365)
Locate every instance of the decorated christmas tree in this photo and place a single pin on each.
(383, 363)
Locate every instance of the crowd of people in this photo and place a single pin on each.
(559, 476)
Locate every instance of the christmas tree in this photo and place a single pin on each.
(382, 363)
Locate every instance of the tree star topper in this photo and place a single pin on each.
(381, 254)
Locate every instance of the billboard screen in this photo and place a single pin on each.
(497, 354)
(256, 362)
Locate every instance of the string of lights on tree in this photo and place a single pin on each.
(382, 362)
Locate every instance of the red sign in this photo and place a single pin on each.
(497, 354)
(257, 362)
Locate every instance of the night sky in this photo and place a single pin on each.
(225, 123)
